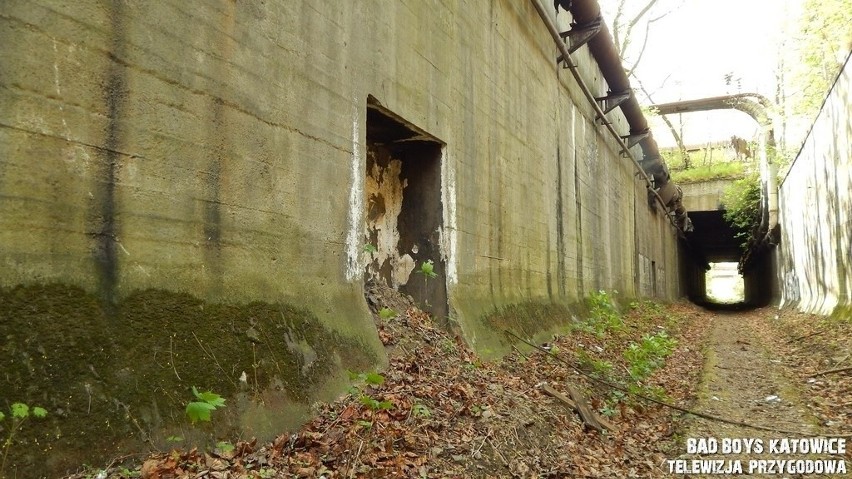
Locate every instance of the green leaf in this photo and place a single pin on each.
(384, 405)
(375, 379)
(369, 402)
(20, 410)
(224, 447)
(427, 268)
(209, 397)
(387, 313)
(199, 411)
(174, 439)
(369, 248)
(2, 416)
(420, 410)
(39, 412)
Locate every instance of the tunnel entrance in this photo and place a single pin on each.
(724, 284)
(713, 271)
(404, 212)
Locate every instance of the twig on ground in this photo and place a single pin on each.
(832, 371)
(672, 406)
(817, 333)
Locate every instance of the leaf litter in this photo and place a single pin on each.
(440, 411)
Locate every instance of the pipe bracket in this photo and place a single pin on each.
(580, 34)
(633, 139)
(613, 99)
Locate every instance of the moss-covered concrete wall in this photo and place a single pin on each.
(183, 183)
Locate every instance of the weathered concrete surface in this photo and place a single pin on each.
(815, 198)
(704, 195)
(173, 158)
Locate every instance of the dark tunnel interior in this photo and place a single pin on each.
(714, 241)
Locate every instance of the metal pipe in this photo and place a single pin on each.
(602, 47)
(760, 109)
(550, 23)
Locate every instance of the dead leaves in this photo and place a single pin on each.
(452, 415)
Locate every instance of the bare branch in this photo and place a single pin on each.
(616, 26)
(642, 50)
(634, 22)
(680, 145)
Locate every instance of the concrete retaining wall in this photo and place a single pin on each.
(184, 199)
(815, 199)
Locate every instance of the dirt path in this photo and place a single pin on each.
(745, 381)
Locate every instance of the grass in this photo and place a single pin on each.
(716, 171)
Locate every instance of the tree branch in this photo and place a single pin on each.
(683, 153)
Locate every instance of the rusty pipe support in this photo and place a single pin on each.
(602, 48)
(631, 106)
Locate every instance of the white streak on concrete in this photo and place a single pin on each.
(65, 130)
(449, 233)
(354, 236)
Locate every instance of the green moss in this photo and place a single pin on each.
(528, 320)
(115, 379)
(842, 313)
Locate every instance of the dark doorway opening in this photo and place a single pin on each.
(404, 212)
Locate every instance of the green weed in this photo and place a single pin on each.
(603, 315)
(207, 402)
(649, 354)
(20, 413)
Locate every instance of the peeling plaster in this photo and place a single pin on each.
(384, 190)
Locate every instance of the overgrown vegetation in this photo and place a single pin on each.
(603, 315)
(713, 171)
(821, 41)
(741, 201)
(640, 358)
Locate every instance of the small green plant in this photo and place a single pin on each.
(266, 473)
(125, 472)
(427, 269)
(370, 248)
(420, 410)
(365, 424)
(174, 439)
(387, 313)
(598, 367)
(649, 354)
(603, 315)
(369, 379)
(448, 346)
(374, 403)
(207, 402)
(373, 379)
(20, 413)
(224, 447)
(608, 410)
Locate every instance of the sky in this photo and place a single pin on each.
(690, 50)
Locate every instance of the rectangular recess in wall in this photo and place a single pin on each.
(403, 208)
